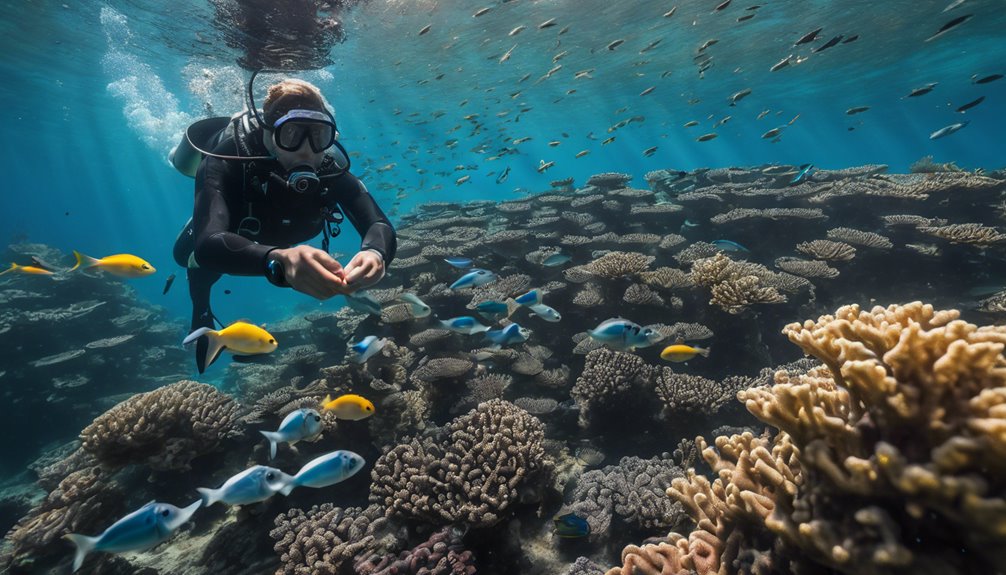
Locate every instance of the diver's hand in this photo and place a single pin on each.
(364, 270)
(312, 271)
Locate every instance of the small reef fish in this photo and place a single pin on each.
(773, 132)
(503, 175)
(571, 526)
(970, 105)
(349, 406)
(808, 37)
(581, 153)
(252, 485)
(624, 335)
(729, 246)
(425, 29)
(738, 96)
(800, 176)
(167, 284)
(497, 309)
(556, 259)
(506, 55)
(465, 324)
(922, 90)
(680, 352)
(462, 180)
(650, 151)
(512, 333)
(530, 298)
(615, 44)
(298, 425)
(985, 79)
(30, 270)
(140, 530)
(947, 130)
(366, 348)
(517, 30)
(829, 44)
(363, 303)
(953, 5)
(857, 110)
(459, 262)
(691, 123)
(545, 312)
(417, 306)
(707, 137)
(950, 26)
(239, 338)
(543, 165)
(476, 277)
(781, 64)
(122, 265)
(326, 470)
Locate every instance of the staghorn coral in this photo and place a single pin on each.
(695, 252)
(731, 290)
(973, 234)
(666, 278)
(640, 294)
(556, 377)
(483, 388)
(471, 475)
(613, 265)
(324, 538)
(827, 250)
(738, 214)
(683, 393)
(165, 428)
(633, 491)
(898, 439)
(590, 295)
(607, 377)
(911, 220)
(443, 553)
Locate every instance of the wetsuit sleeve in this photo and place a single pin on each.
(366, 216)
(217, 209)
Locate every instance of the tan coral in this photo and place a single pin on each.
(860, 238)
(973, 234)
(827, 250)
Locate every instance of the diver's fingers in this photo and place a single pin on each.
(329, 263)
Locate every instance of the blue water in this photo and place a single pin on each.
(94, 95)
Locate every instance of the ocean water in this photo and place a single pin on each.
(435, 100)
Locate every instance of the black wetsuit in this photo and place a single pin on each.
(239, 217)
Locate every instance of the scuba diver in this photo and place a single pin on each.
(266, 182)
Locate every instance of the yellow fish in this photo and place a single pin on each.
(239, 338)
(680, 352)
(122, 265)
(33, 270)
(349, 406)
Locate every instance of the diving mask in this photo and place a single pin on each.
(318, 128)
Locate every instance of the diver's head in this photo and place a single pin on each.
(298, 126)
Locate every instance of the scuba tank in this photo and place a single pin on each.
(200, 136)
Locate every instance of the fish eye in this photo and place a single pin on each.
(166, 512)
(272, 340)
(317, 418)
(369, 408)
(269, 475)
(145, 267)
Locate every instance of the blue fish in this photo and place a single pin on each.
(512, 333)
(476, 277)
(802, 174)
(459, 262)
(252, 485)
(528, 299)
(140, 530)
(571, 526)
(326, 470)
(300, 424)
(418, 306)
(465, 324)
(363, 303)
(555, 260)
(624, 335)
(503, 175)
(545, 312)
(492, 307)
(729, 246)
(366, 348)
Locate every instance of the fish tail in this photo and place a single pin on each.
(273, 438)
(13, 266)
(704, 352)
(289, 487)
(209, 496)
(84, 545)
(511, 306)
(85, 261)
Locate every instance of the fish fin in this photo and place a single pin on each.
(213, 349)
(273, 438)
(704, 352)
(83, 260)
(196, 335)
(511, 306)
(286, 489)
(326, 401)
(208, 496)
(13, 266)
(84, 545)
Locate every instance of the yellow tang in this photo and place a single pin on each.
(122, 265)
(239, 338)
(27, 270)
(680, 352)
(349, 406)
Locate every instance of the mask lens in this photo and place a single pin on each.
(298, 125)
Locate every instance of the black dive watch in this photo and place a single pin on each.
(275, 273)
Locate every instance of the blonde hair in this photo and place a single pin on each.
(291, 94)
